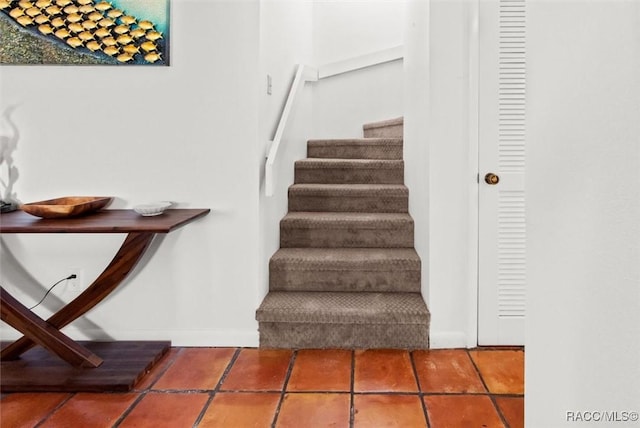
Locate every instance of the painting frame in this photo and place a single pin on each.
(85, 32)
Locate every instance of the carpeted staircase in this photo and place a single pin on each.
(346, 274)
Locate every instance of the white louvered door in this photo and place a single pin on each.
(502, 138)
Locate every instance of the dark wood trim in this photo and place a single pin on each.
(105, 221)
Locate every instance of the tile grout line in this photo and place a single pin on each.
(128, 411)
(420, 392)
(493, 401)
(479, 373)
(161, 373)
(173, 360)
(499, 411)
(55, 409)
(143, 393)
(398, 393)
(453, 394)
(284, 387)
(239, 391)
(232, 361)
(216, 389)
(352, 404)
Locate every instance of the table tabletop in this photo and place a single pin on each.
(104, 221)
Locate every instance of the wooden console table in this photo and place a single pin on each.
(68, 365)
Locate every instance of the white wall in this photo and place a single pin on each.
(443, 198)
(416, 129)
(583, 304)
(345, 29)
(186, 133)
(285, 41)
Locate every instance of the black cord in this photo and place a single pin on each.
(72, 276)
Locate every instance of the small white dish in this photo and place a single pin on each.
(151, 209)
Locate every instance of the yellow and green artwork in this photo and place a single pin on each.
(116, 32)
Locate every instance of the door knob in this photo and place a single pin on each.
(491, 178)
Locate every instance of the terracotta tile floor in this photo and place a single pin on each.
(245, 387)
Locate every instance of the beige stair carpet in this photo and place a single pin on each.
(347, 274)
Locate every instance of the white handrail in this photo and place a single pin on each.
(305, 73)
(359, 62)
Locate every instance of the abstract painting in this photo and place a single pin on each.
(113, 32)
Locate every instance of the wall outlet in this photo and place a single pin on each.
(75, 285)
(269, 84)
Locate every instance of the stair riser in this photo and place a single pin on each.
(344, 336)
(354, 152)
(372, 204)
(325, 237)
(342, 175)
(391, 131)
(393, 280)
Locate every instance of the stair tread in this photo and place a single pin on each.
(345, 258)
(349, 163)
(346, 218)
(343, 307)
(353, 189)
(384, 123)
(385, 141)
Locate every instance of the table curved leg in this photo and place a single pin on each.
(129, 254)
(21, 318)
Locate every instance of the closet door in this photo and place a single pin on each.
(502, 161)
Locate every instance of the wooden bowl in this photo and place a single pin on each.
(69, 206)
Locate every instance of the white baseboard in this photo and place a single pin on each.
(221, 337)
(449, 339)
